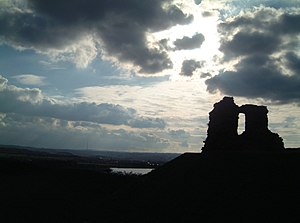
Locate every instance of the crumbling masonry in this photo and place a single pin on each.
(223, 124)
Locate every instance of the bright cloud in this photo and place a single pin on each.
(32, 102)
(31, 79)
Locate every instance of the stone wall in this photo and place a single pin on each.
(256, 118)
(223, 124)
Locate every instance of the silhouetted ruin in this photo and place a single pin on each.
(222, 131)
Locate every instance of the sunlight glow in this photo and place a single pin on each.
(206, 52)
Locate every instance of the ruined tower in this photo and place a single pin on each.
(223, 123)
(256, 118)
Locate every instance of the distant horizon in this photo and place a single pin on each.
(122, 151)
(89, 150)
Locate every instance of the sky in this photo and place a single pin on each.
(142, 76)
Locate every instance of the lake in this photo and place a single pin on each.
(139, 171)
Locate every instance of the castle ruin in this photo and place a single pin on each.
(222, 131)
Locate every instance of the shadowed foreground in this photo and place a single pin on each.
(221, 186)
(212, 186)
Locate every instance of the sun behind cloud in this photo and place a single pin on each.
(205, 50)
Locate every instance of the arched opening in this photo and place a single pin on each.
(241, 125)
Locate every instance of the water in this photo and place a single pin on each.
(139, 171)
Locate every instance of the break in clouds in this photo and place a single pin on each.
(81, 30)
(264, 45)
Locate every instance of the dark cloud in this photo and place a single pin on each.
(252, 34)
(164, 44)
(154, 14)
(32, 102)
(257, 77)
(189, 43)
(189, 66)
(263, 43)
(207, 14)
(197, 2)
(288, 24)
(25, 29)
(252, 21)
(245, 43)
(119, 26)
(205, 75)
(293, 62)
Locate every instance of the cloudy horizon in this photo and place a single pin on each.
(143, 75)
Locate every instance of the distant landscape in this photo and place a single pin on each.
(83, 159)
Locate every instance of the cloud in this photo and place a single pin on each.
(29, 130)
(184, 144)
(292, 61)
(3, 82)
(197, 2)
(31, 79)
(32, 102)
(245, 43)
(81, 53)
(179, 134)
(255, 79)
(205, 75)
(11, 94)
(189, 66)
(147, 123)
(116, 29)
(189, 43)
(262, 45)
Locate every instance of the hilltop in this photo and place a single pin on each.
(219, 186)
